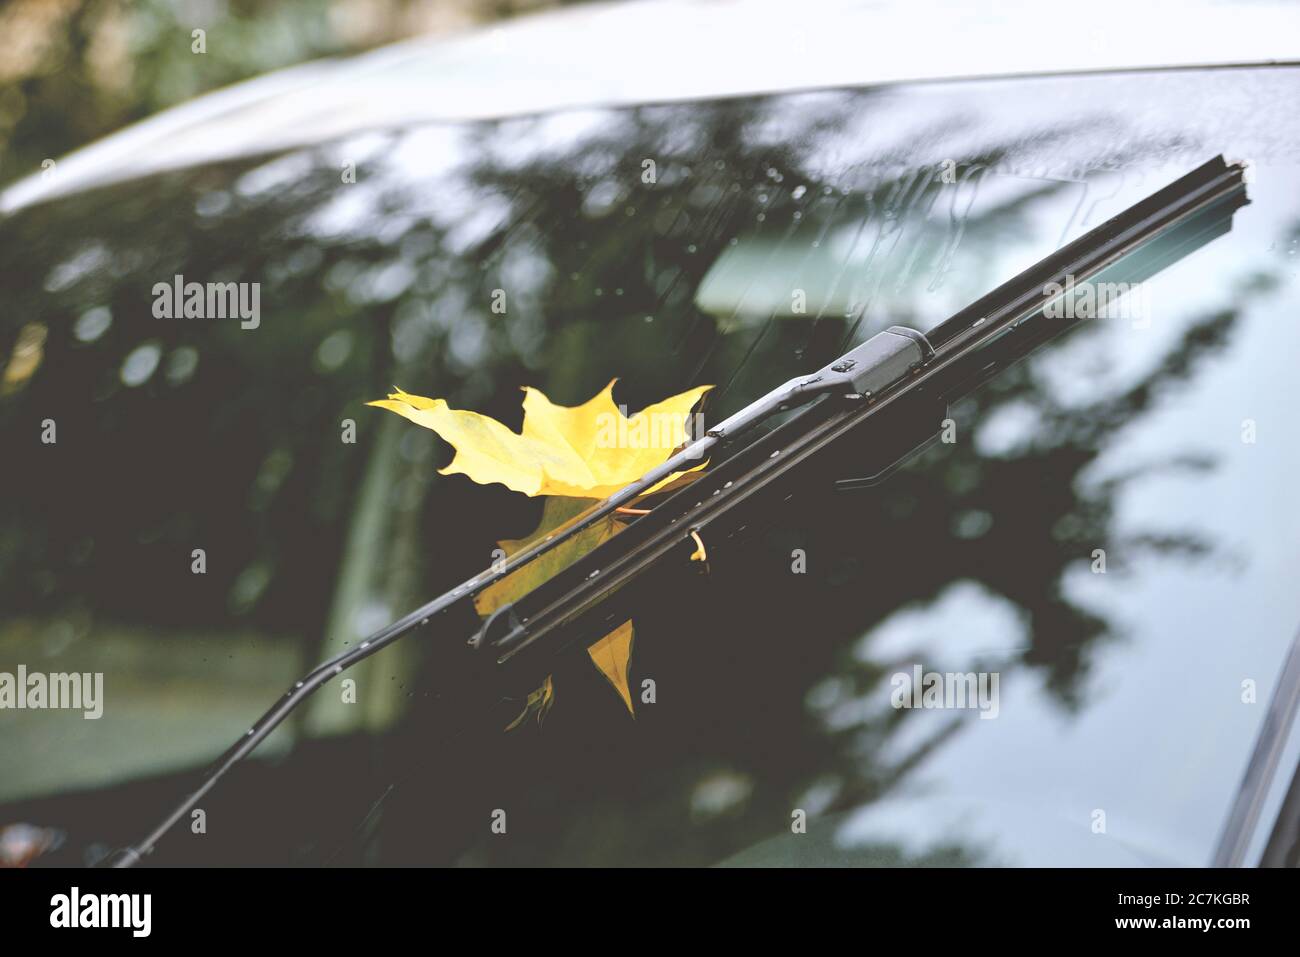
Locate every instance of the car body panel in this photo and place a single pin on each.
(672, 51)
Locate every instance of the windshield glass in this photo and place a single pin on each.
(202, 508)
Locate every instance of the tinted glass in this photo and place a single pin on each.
(735, 243)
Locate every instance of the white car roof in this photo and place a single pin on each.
(654, 51)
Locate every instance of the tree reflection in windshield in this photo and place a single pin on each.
(666, 246)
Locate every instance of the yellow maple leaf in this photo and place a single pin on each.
(539, 702)
(613, 656)
(576, 455)
(585, 451)
(557, 513)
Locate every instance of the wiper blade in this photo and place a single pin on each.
(895, 386)
(959, 354)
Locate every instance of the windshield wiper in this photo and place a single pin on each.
(866, 411)
(887, 423)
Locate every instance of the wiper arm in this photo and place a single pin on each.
(899, 375)
(870, 366)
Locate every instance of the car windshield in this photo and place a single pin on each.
(201, 509)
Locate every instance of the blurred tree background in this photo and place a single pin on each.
(72, 71)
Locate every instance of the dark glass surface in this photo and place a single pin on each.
(1120, 692)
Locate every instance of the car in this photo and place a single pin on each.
(1101, 544)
